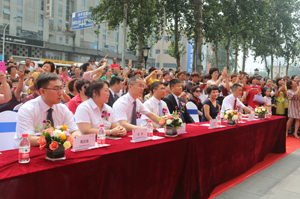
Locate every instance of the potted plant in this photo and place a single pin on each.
(231, 116)
(171, 123)
(261, 112)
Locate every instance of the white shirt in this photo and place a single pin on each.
(268, 101)
(89, 112)
(228, 103)
(153, 105)
(113, 94)
(32, 113)
(124, 105)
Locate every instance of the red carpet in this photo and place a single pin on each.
(292, 144)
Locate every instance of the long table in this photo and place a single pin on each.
(187, 166)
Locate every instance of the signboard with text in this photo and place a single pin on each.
(81, 20)
(189, 66)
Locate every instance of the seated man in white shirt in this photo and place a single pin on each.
(45, 107)
(127, 109)
(155, 104)
(232, 101)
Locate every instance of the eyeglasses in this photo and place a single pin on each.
(57, 89)
(197, 91)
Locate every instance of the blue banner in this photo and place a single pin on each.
(189, 66)
(79, 20)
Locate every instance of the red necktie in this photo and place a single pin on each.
(234, 106)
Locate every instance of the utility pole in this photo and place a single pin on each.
(199, 42)
(124, 32)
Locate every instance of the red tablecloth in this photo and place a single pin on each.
(188, 166)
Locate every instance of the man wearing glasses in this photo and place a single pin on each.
(128, 108)
(45, 107)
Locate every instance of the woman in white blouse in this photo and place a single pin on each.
(93, 112)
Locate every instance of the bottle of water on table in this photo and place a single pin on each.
(149, 129)
(101, 136)
(24, 149)
(219, 119)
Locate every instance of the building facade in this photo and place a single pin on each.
(38, 35)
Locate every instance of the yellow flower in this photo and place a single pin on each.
(225, 117)
(65, 127)
(259, 110)
(67, 145)
(63, 136)
(232, 114)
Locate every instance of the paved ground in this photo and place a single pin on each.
(281, 180)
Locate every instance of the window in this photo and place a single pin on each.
(20, 2)
(6, 30)
(67, 10)
(116, 48)
(60, 10)
(6, 14)
(157, 51)
(67, 39)
(51, 25)
(40, 35)
(41, 4)
(53, 55)
(83, 2)
(67, 27)
(117, 37)
(54, 38)
(166, 65)
(20, 15)
(165, 52)
(66, 57)
(59, 25)
(41, 20)
(82, 32)
(81, 43)
(104, 37)
(104, 32)
(96, 35)
(60, 38)
(157, 65)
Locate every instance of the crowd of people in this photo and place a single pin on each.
(124, 99)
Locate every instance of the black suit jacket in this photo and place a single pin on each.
(171, 103)
(111, 99)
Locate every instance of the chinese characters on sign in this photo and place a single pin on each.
(81, 20)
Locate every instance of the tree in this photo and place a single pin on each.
(144, 19)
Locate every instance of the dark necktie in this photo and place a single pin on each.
(116, 97)
(234, 106)
(133, 116)
(49, 116)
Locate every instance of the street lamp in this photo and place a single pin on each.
(256, 71)
(4, 37)
(146, 49)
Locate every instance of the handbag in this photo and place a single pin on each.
(259, 99)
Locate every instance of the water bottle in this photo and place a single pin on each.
(101, 135)
(219, 119)
(24, 149)
(240, 116)
(149, 129)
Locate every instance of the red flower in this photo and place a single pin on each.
(42, 141)
(70, 139)
(53, 145)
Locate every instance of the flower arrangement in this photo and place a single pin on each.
(53, 137)
(231, 115)
(182, 107)
(105, 115)
(171, 120)
(138, 115)
(165, 111)
(261, 110)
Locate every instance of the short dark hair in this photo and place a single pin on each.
(137, 72)
(166, 83)
(26, 71)
(96, 85)
(293, 77)
(115, 80)
(64, 68)
(70, 84)
(42, 81)
(289, 84)
(165, 73)
(264, 91)
(212, 88)
(235, 86)
(194, 88)
(84, 66)
(212, 70)
(277, 81)
(9, 68)
(174, 81)
(51, 64)
(251, 79)
(151, 69)
(80, 83)
(195, 74)
(155, 85)
(27, 58)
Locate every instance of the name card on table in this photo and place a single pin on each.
(139, 135)
(213, 123)
(182, 129)
(83, 142)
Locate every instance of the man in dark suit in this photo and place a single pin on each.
(174, 102)
(114, 90)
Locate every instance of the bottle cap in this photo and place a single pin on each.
(25, 135)
(101, 125)
(149, 121)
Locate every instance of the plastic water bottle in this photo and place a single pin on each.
(149, 129)
(240, 116)
(24, 149)
(219, 119)
(101, 135)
